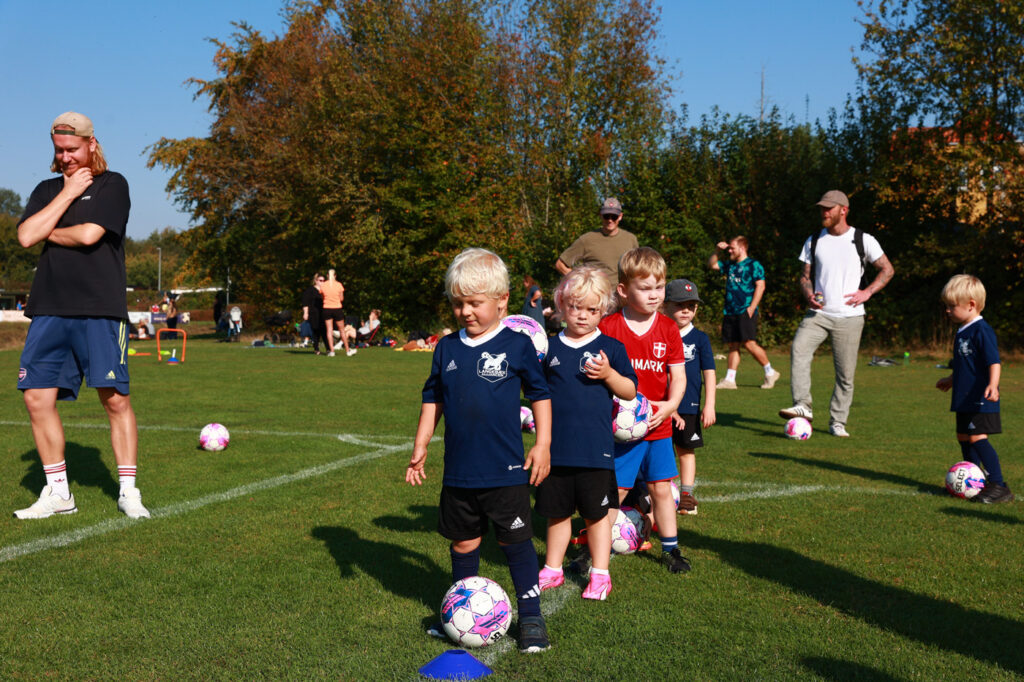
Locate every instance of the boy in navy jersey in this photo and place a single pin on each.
(652, 341)
(584, 369)
(475, 382)
(975, 383)
(681, 302)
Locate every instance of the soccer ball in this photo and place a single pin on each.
(965, 479)
(214, 437)
(476, 612)
(798, 428)
(625, 537)
(631, 418)
(529, 326)
(676, 493)
(526, 419)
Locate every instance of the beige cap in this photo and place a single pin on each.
(79, 123)
(833, 198)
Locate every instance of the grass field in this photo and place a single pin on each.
(299, 552)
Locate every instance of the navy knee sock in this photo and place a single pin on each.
(989, 459)
(967, 452)
(522, 564)
(464, 565)
(669, 542)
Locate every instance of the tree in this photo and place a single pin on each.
(16, 263)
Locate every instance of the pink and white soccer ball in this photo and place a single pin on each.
(625, 538)
(526, 419)
(676, 492)
(476, 612)
(631, 418)
(529, 326)
(214, 437)
(965, 479)
(798, 428)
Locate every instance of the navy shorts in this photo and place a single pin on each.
(465, 513)
(61, 351)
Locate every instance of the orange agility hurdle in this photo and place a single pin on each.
(184, 339)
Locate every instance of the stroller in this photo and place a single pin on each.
(280, 329)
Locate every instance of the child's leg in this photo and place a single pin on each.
(687, 459)
(599, 540)
(559, 534)
(522, 565)
(984, 451)
(465, 558)
(966, 449)
(664, 513)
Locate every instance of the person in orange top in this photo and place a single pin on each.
(334, 293)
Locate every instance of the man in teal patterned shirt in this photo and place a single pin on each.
(744, 287)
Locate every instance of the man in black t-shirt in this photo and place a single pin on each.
(79, 311)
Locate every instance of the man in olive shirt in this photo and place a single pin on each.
(600, 248)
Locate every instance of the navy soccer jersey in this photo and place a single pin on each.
(581, 408)
(974, 350)
(699, 357)
(477, 382)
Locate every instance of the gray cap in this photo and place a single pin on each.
(681, 291)
(611, 206)
(833, 198)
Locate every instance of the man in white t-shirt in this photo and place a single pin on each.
(831, 281)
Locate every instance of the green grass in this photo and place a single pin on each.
(299, 554)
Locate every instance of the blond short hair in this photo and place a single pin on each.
(579, 283)
(962, 288)
(476, 271)
(641, 262)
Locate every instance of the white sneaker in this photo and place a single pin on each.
(839, 430)
(130, 502)
(48, 504)
(770, 379)
(331, 354)
(797, 411)
(726, 383)
(350, 352)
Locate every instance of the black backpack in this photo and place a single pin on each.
(858, 243)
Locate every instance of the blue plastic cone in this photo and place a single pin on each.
(455, 664)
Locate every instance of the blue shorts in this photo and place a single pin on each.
(61, 351)
(653, 460)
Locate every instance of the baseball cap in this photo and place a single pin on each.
(833, 198)
(681, 291)
(611, 206)
(79, 123)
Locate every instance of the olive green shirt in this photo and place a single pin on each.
(594, 248)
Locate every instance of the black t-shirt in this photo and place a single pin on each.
(312, 299)
(85, 281)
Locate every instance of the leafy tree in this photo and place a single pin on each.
(16, 263)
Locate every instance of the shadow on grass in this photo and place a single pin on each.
(424, 520)
(85, 468)
(981, 514)
(834, 669)
(927, 620)
(400, 571)
(742, 421)
(868, 474)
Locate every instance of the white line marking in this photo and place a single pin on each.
(71, 426)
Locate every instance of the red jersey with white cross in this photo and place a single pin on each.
(651, 354)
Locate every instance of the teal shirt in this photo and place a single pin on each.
(740, 281)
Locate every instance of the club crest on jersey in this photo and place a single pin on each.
(965, 348)
(660, 348)
(689, 351)
(587, 357)
(492, 367)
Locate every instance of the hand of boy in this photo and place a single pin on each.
(678, 422)
(538, 463)
(707, 416)
(659, 413)
(992, 392)
(598, 368)
(944, 384)
(414, 473)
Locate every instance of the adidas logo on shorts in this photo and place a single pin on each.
(110, 375)
(517, 524)
(694, 437)
(604, 502)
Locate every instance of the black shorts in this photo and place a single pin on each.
(691, 437)
(739, 328)
(334, 314)
(976, 423)
(464, 513)
(567, 489)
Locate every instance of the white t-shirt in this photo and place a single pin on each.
(838, 270)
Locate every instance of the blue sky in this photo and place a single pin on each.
(124, 63)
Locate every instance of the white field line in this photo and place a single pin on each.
(345, 437)
(80, 534)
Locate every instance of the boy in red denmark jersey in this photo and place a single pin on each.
(656, 352)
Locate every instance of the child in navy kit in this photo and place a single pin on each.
(975, 383)
(656, 353)
(584, 369)
(475, 382)
(681, 303)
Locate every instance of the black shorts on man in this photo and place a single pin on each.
(739, 328)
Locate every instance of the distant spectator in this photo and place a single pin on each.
(312, 313)
(333, 294)
(602, 248)
(533, 306)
